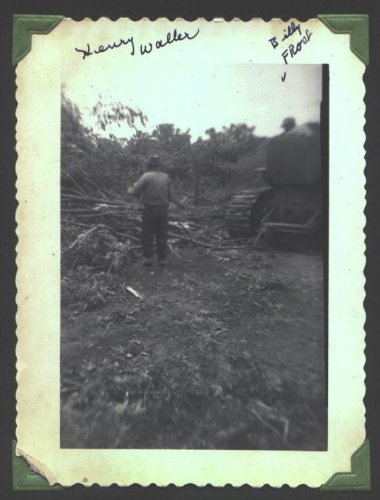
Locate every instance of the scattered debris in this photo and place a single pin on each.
(133, 292)
(105, 234)
(183, 365)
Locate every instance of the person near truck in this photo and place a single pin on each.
(154, 192)
(288, 124)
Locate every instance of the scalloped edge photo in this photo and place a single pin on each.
(41, 46)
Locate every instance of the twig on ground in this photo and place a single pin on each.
(146, 391)
(237, 247)
(286, 428)
(128, 236)
(82, 235)
(201, 198)
(190, 278)
(178, 255)
(133, 292)
(268, 425)
(196, 242)
(79, 197)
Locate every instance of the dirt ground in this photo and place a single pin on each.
(224, 352)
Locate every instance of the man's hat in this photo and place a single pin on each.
(154, 161)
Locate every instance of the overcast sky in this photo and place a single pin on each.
(200, 96)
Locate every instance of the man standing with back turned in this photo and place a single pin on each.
(153, 191)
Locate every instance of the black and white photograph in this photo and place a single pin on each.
(193, 258)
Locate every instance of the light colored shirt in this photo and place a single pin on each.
(153, 188)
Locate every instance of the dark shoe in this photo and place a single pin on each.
(148, 261)
(163, 262)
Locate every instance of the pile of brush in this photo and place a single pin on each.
(105, 234)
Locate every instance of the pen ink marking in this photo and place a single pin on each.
(145, 48)
(291, 29)
(292, 49)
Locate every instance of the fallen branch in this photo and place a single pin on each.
(128, 236)
(201, 198)
(170, 246)
(196, 242)
(70, 221)
(133, 292)
(187, 231)
(93, 199)
(238, 247)
(270, 426)
(82, 235)
(92, 212)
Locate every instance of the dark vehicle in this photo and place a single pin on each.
(286, 199)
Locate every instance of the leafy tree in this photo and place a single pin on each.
(171, 139)
(89, 160)
(76, 145)
(174, 147)
(231, 142)
(116, 113)
(217, 154)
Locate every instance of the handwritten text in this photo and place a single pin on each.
(292, 49)
(144, 48)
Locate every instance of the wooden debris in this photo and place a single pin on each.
(123, 219)
(133, 292)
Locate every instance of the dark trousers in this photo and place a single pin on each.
(155, 223)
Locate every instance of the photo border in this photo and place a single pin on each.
(356, 25)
